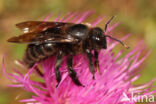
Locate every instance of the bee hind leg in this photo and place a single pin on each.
(57, 65)
(38, 71)
(71, 72)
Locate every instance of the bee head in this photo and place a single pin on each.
(97, 38)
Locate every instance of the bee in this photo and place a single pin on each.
(45, 39)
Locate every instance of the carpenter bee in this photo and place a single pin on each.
(46, 39)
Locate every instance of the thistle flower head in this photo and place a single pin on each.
(117, 75)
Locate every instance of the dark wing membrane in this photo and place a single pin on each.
(24, 38)
(34, 33)
(38, 26)
(32, 38)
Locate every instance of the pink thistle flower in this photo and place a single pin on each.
(111, 87)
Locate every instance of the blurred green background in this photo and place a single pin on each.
(137, 17)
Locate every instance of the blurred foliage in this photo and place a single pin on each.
(137, 17)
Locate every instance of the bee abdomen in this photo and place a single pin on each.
(36, 53)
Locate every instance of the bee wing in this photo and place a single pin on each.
(32, 29)
(24, 38)
(37, 26)
(33, 38)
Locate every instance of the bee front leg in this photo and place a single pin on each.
(91, 67)
(96, 63)
(71, 72)
(58, 62)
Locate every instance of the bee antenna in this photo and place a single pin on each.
(118, 41)
(106, 25)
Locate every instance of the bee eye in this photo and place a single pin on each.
(98, 39)
(96, 34)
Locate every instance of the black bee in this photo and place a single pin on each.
(46, 39)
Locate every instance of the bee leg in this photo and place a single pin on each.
(91, 67)
(58, 62)
(38, 71)
(71, 72)
(96, 63)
